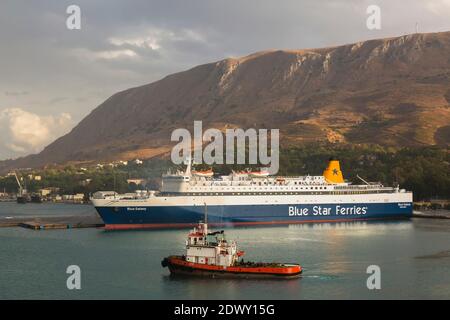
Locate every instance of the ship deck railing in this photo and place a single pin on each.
(276, 193)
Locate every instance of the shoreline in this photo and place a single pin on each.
(53, 222)
(432, 214)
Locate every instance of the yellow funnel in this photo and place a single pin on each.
(333, 173)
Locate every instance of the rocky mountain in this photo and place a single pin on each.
(393, 92)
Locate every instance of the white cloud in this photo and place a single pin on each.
(141, 42)
(154, 38)
(439, 7)
(115, 54)
(24, 132)
(87, 55)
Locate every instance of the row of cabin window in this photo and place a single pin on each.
(271, 184)
(296, 188)
(277, 193)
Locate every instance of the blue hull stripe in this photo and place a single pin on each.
(253, 213)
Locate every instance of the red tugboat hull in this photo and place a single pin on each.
(179, 266)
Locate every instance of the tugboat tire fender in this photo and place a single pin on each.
(165, 262)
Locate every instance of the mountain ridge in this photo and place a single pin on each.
(393, 92)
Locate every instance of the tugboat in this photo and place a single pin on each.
(22, 199)
(210, 254)
(36, 198)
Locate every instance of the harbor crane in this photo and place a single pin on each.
(21, 195)
(19, 184)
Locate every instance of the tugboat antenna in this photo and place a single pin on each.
(206, 213)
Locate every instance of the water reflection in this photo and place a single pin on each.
(203, 288)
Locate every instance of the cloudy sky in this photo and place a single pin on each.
(51, 77)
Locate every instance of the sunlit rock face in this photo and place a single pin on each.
(389, 91)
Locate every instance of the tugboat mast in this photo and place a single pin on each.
(206, 219)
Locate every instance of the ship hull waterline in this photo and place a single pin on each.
(179, 267)
(156, 217)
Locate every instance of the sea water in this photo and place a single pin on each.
(413, 257)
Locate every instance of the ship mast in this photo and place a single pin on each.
(189, 166)
(206, 220)
(362, 180)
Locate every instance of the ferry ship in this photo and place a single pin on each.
(251, 198)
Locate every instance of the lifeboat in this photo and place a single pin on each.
(259, 174)
(280, 181)
(203, 173)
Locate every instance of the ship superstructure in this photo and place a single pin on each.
(210, 248)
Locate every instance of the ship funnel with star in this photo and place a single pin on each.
(333, 173)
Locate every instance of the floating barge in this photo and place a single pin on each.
(47, 223)
(47, 226)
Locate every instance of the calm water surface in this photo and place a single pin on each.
(414, 257)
